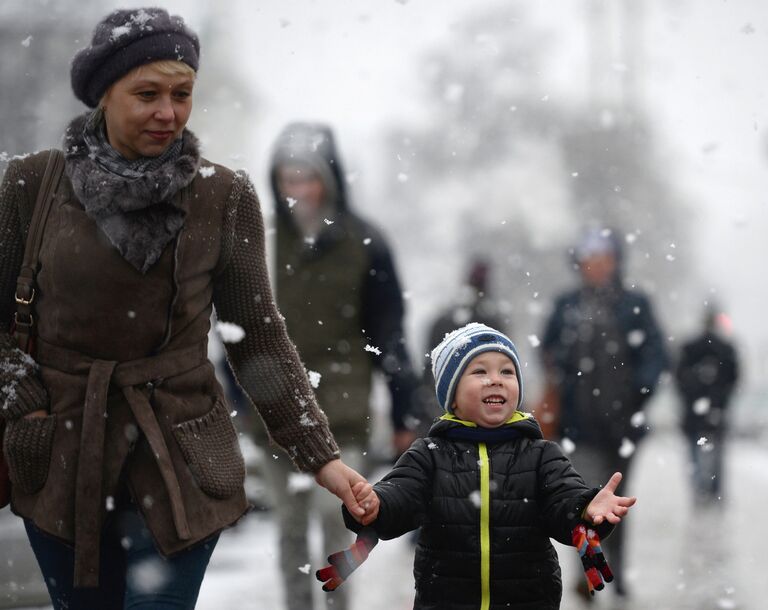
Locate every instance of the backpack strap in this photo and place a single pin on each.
(25, 284)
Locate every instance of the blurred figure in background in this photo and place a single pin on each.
(706, 376)
(474, 304)
(603, 352)
(337, 287)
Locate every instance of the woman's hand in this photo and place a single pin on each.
(607, 506)
(339, 479)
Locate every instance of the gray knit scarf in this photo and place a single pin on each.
(134, 203)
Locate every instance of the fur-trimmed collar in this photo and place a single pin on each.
(139, 216)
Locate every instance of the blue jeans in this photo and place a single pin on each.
(132, 573)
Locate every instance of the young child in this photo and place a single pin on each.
(487, 491)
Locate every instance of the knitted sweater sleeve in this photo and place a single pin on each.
(21, 390)
(265, 362)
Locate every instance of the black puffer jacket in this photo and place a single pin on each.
(530, 494)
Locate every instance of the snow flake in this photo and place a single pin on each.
(291, 202)
(230, 332)
(371, 348)
(627, 448)
(328, 222)
(402, 177)
(110, 504)
(207, 172)
(635, 338)
(26, 41)
(701, 406)
(299, 482)
(567, 445)
(637, 419)
(304, 569)
(702, 441)
(306, 421)
(314, 378)
(367, 241)
(475, 498)
(432, 445)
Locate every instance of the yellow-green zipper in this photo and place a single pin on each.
(485, 530)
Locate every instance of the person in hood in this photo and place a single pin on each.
(487, 491)
(120, 446)
(337, 286)
(707, 373)
(604, 352)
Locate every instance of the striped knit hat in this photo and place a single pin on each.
(458, 348)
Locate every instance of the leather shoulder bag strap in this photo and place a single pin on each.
(25, 285)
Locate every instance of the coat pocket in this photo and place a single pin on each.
(210, 448)
(27, 447)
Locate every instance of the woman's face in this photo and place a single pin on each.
(146, 110)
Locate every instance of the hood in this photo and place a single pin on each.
(520, 425)
(312, 144)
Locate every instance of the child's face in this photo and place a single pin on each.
(487, 393)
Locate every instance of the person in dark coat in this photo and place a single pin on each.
(120, 445)
(706, 376)
(486, 489)
(338, 288)
(604, 352)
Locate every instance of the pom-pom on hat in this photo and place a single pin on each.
(451, 357)
(126, 39)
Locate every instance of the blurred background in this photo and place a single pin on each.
(493, 129)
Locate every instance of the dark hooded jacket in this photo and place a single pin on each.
(607, 352)
(708, 369)
(465, 485)
(340, 294)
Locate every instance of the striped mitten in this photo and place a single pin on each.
(343, 563)
(596, 569)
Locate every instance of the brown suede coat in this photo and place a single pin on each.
(133, 397)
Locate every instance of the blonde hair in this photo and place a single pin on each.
(169, 67)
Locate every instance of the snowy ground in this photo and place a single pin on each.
(681, 556)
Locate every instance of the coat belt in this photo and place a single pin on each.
(127, 376)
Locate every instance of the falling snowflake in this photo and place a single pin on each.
(627, 448)
(230, 332)
(371, 348)
(701, 406)
(207, 172)
(314, 378)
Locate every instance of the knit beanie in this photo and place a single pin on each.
(126, 39)
(451, 357)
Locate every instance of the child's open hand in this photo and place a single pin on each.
(368, 500)
(607, 506)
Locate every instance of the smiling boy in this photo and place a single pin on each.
(487, 491)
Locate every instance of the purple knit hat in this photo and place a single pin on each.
(126, 39)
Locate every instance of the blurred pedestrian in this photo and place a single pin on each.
(337, 287)
(706, 376)
(124, 463)
(474, 304)
(604, 352)
(487, 491)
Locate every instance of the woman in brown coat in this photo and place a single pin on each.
(122, 455)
